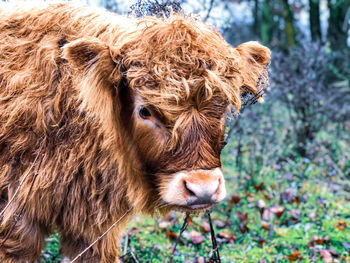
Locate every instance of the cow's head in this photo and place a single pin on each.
(171, 80)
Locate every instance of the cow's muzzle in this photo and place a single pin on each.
(196, 189)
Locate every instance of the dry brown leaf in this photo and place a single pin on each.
(265, 225)
(267, 197)
(271, 211)
(227, 236)
(261, 242)
(205, 227)
(318, 240)
(235, 199)
(242, 217)
(196, 237)
(295, 256)
(341, 225)
(171, 234)
(243, 228)
(258, 187)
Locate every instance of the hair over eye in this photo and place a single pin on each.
(144, 113)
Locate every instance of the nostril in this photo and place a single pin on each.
(188, 190)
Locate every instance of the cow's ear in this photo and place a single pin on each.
(97, 75)
(254, 59)
(90, 54)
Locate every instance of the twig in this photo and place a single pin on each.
(216, 254)
(126, 243)
(209, 10)
(183, 228)
(133, 257)
(105, 233)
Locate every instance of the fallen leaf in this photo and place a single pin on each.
(227, 236)
(242, 217)
(295, 214)
(258, 187)
(235, 199)
(261, 242)
(341, 225)
(265, 225)
(326, 256)
(243, 228)
(287, 196)
(294, 256)
(219, 223)
(196, 237)
(317, 240)
(267, 197)
(205, 227)
(171, 234)
(260, 204)
(271, 211)
(277, 210)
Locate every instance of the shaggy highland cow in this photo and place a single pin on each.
(119, 112)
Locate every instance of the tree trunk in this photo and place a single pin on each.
(314, 18)
(336, 34)
(267, 21)
(289, 24)
(256, 25)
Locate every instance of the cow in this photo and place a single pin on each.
(111, 112)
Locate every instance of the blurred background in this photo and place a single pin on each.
(287, 163)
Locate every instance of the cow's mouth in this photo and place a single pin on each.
(194, 207)
(199, 207)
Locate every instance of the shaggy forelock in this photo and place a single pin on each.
(179, 63)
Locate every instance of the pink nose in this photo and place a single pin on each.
(202, 192)
(196, 187)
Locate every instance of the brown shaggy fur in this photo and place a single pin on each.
(61, 85)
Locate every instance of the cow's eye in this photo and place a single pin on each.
(144, 113)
